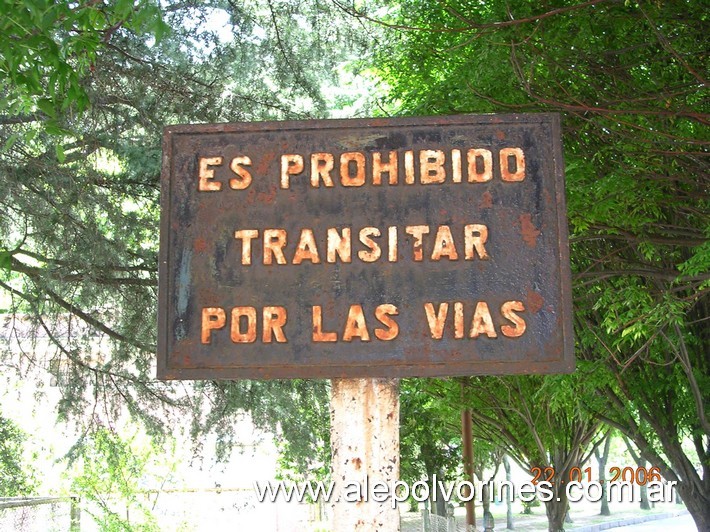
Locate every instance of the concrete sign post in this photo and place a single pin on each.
(376, 248)
(364, 438)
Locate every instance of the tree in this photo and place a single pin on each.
(49, 47)
(16, 477)
(110, 469)
(640, 463)
(602, 458)
(509, 503)
(540, 424)
(87, 90)
(630, 79)
(537, 421)
(430, 439)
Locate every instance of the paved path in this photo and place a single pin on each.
(681, 523)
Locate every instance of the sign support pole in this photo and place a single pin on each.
(364, 439)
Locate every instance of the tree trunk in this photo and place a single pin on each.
(467, 440)
(486, 503)
(601, 462)
(640, 463)
(698, 506)
(643, 490)
(556, 513)
(508, 499)
(556, 508)
(438, 507)
(693, 486)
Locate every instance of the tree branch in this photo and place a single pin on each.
(37, 273)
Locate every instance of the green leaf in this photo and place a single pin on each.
(52, 128)
(5, 261)
(29, 135)
(61, 156)
(123, 8)
(161, 30)
(9, 143)
(47, 107)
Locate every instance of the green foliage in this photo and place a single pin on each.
(631, 82)
(16, 477)
(48, 47)
(79, 191)
(111, 470)
(528, 506)
(5, 261)
(303, 432)
(79, 194)
(430, 431)
(296, 412)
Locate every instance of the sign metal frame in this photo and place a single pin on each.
(437, 280)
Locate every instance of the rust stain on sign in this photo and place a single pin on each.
(528, 231)
(388, 247)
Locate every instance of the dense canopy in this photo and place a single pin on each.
(86, 90)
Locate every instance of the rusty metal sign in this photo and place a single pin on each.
(359, 248)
